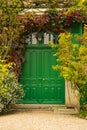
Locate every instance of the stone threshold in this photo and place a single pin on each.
(61, 109)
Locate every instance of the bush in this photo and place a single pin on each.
(10, 90)
(72, 62)
(83, 113)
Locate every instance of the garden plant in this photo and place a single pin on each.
(10, 90)
(14, 28)
(72, 63)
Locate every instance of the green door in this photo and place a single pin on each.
(41, 83)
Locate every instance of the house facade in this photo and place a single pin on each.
(42, 84)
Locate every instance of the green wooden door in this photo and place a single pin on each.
(41, 83)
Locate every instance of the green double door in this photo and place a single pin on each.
(40, 82)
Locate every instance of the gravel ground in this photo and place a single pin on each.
(41, 120)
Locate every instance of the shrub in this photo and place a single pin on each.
(83, 113)
(72, 62)
(10, 90)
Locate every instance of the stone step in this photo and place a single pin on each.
(37, 106)
(62, 109)
(66, 111)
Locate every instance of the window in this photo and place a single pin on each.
(42, 38)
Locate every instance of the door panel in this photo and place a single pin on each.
(41, 83)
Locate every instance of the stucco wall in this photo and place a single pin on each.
(71, 96)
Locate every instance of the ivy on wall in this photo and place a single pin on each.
(52, 19)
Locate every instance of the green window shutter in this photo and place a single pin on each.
(76, 29)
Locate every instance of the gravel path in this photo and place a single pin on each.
(31, 120)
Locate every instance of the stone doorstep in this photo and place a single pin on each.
(66, 110)
(61, 109)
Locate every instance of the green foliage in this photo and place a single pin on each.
(73, 62)
(83, 113)
(10, 31)
(9, 25)
(79, 7)
(81, 3)
(14, 27)
(10, 6)
(10, 90)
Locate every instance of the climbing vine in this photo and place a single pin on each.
(15, 26)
